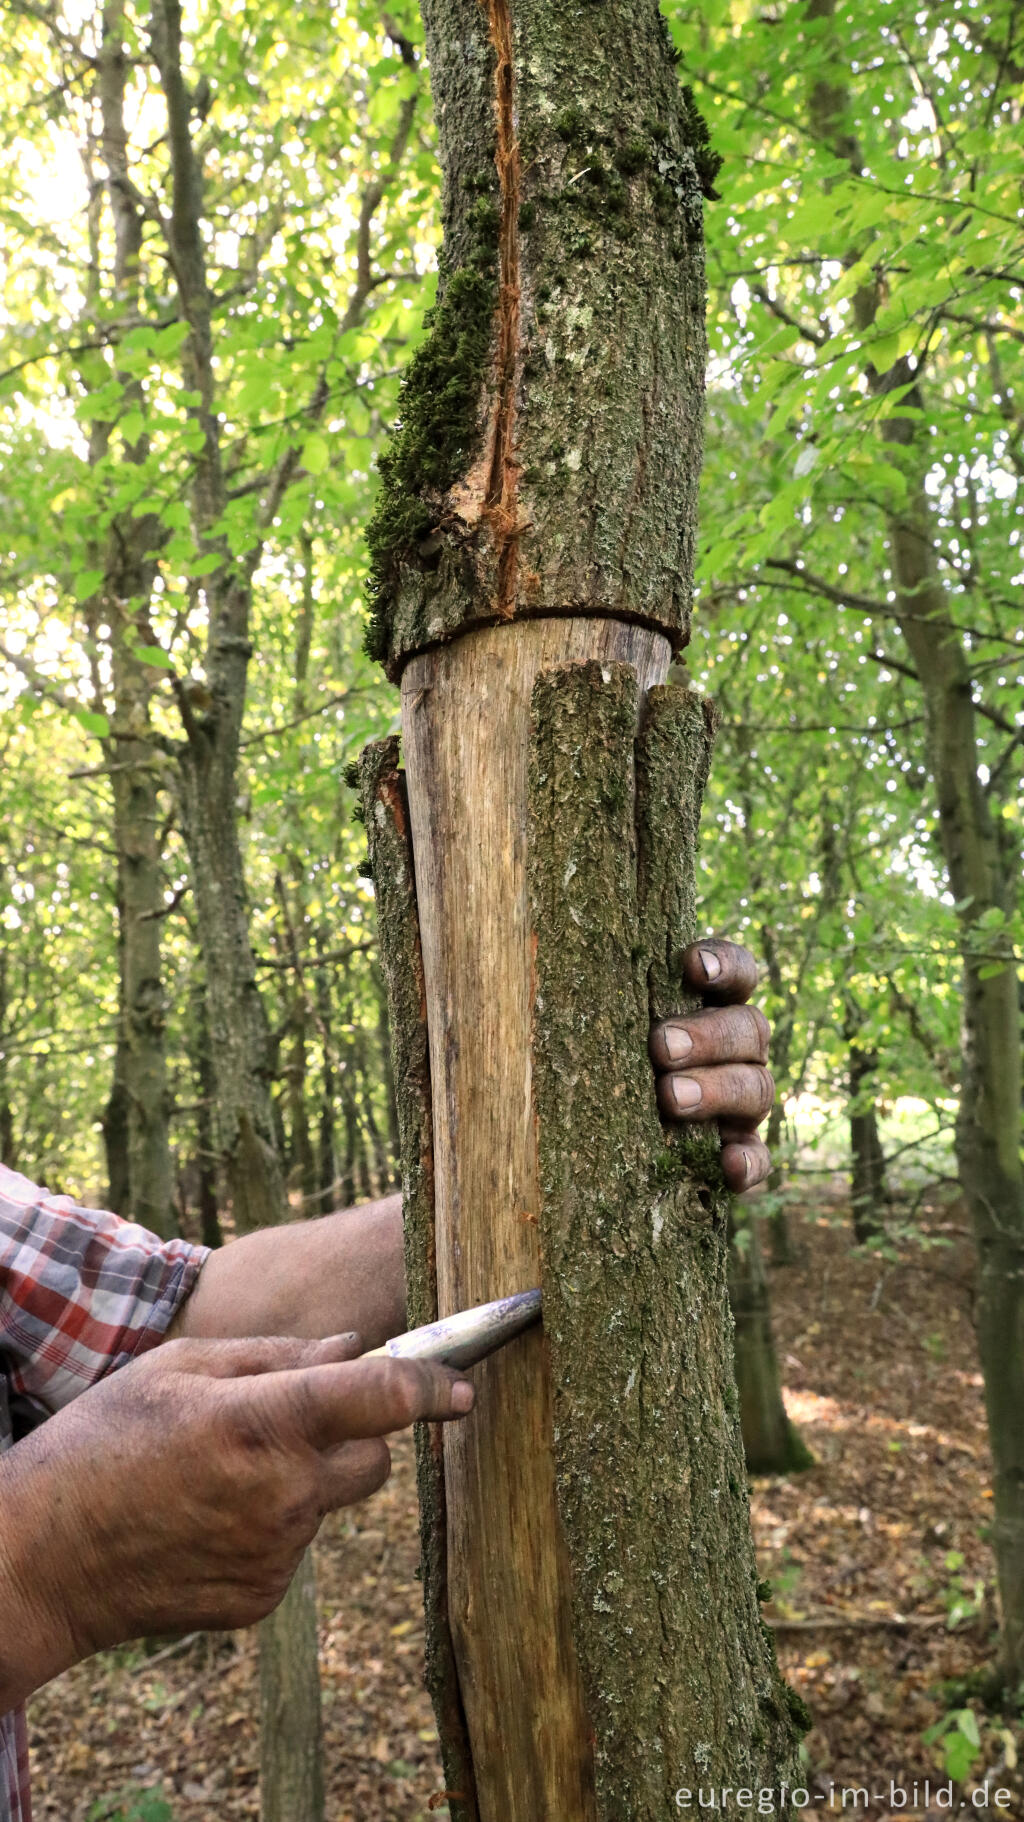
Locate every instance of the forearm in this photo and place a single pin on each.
(310, 1279)
(37, 1636)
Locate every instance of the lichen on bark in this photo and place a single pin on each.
(681, 1684)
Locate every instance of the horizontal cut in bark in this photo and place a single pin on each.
(550, 438)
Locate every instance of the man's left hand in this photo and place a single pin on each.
(712, 1065)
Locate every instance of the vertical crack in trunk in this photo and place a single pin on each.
(502, 503)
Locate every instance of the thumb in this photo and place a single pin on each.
(257, 1354)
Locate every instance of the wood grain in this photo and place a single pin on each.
(465, 717)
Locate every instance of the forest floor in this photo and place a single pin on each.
(870, 1554)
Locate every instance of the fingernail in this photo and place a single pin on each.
(463, 1396)
(685, 1091)
(678, 1042)
(710, 963)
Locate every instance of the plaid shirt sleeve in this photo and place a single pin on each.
(81, 1293)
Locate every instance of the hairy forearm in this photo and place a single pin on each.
(310, 1278)
(37, 1638)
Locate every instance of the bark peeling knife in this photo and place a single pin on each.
(469, 1336)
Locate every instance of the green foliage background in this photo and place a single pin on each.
(819, 846)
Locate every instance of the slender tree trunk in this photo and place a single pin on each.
(206, 1147)
(8, 1142)
(240, 1047)
(783, 1250)
(327, 1163)
(868, 1188)
(982, 874)
(137, 824)
(591, 1593)
(291, 1767)
(983, 864)
(140, 1099)
(114, 1119)
(771, 1443)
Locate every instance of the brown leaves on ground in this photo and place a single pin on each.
(882, 1378)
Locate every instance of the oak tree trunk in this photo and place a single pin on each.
(594, 1640)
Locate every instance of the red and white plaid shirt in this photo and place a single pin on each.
(81, 1293)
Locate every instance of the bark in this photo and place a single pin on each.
(137, 836)
(114, 1125)
(868, 1188)
(206, 1151)
(521, 482)
(326, 1153)
(384, 1041)
(771, 1443)
(140, 1100)
(291, 1758)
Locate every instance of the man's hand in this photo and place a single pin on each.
(180, 1492)
(713, 1065)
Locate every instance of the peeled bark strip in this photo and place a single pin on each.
(386, 813)
(466, 716)
(650, 1474)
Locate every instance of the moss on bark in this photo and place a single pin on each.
(681, 1684)
(550, 437)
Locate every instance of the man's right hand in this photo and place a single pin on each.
(180, 1492)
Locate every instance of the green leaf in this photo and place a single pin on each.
(92, 723)
(86, 582)
(155, 655)
(315, 453)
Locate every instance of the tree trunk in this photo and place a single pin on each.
(240, 1047)
(138, 1117)
(868, 1188)
(206, 1149)
(591, 1592)
(783, 1250)
(982, 877)
(114, 1119)
(771, 1444)
(327, 1169)
(8, 1141)
(291, 1759)
(137, 839)
(983, 863)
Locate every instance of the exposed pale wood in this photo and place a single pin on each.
(465, 711)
